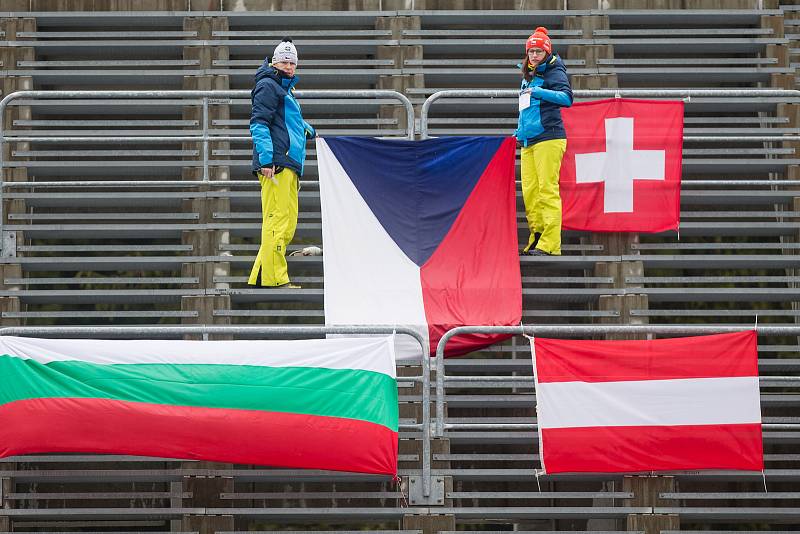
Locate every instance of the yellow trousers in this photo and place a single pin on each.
(279, 212)
(541, 164)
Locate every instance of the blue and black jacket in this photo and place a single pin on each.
(550, 91)
(276, 123)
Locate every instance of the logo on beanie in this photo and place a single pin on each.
(539, 39)
(285, 51)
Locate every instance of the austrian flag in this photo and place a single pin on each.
(661, 405)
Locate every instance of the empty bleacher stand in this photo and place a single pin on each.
(98, 231)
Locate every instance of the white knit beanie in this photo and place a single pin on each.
(285, 51)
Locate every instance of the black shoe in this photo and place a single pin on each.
(538, 252)
(536, 236)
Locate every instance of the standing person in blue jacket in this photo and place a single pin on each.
(544, 91)
(279, 153)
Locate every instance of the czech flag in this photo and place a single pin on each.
(420, 234)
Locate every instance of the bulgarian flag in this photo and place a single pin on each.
(316, 404)
(660, 405)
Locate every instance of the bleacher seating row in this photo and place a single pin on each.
(172, 250)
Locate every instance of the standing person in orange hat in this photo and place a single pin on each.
(545, 89)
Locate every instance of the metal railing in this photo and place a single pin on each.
(428, 428)
(207, 98)
(686, 94)
(577, 330)
(205, 137)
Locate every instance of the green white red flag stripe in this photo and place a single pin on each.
(308, 353)
(661, 405)
(322, 404)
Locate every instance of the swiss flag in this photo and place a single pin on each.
(660, 405)
(622, 168)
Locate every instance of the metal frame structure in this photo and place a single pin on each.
(495, 466)
(579, 330)
(429, 494)
(686, 94)
(429, 431)
(208, 97)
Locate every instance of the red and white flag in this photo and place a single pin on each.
(622, 168)
(661, 405)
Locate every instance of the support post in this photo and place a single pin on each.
(206, 493)
(429, 524)
(9, 57)
(416, 483)
(626, 305)
(206, 242)
(789, 111)
(399, 55)
(646, 491)
(590, 53)
(6, 487)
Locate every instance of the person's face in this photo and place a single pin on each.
(285, 67)
(536, 55)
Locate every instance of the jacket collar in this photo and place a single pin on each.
(549, 60)
(268, 71)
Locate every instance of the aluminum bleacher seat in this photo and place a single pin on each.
(463, 49)
(245, 34)
(337, 49)
(106, 50)
(115, 254)
(650, 51)
(71, 52)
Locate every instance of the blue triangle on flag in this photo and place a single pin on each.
(416, 189)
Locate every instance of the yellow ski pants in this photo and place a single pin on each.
(541, 164)
(279, 212)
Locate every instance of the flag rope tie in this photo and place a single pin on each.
(522, 325)
(532, 340)
(399, 483)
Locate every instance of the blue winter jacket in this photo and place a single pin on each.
(276, 123)
(550, 91)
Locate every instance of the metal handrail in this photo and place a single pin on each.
(534, 426)
(184, 184)
(205, 95)
(205, 331)
(205, 138)
(582, 330)
(634, 93)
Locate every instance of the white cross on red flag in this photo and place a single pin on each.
(622, 168)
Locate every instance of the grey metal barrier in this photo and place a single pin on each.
(206, 137)
(268, 331)
(632, 93)
(578, 330)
